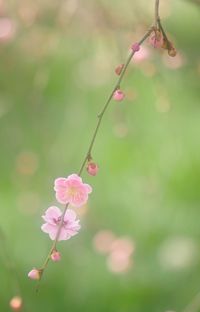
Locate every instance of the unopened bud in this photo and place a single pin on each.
(172, 52)
(118, 95)
(55, 256)
(156, 40)
(35, 274)
(135, 47)
(92, 168)
(118, 69)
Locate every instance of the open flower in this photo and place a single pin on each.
(72, 190)
(52, 217)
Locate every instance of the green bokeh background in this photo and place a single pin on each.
(56, 73)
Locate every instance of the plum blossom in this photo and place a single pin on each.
(52, 217)
(72, 190)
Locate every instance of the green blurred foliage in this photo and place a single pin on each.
(57, 69)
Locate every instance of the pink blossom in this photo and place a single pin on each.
(72, 190)
(118, 95)
(52, 217)
(34, 274)
(92, 168)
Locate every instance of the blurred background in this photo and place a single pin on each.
(139, 246)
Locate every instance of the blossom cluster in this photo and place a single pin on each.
(62, 226)
(158, 40)
(69, 191)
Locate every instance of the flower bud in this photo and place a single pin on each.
(16, 303)
(135, 47)
(118, 69)
(55, 256)
(35, 274)
(92, 168)
(172, 52)
(156, 40)
(118, 95)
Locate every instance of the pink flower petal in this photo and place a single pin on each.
(74, 176)
(60, 183)
(70, 215)
(49, 228)
(62, 198)
(69, 228)
(88, 188)
(52, 214)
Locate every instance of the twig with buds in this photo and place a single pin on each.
(71, 190)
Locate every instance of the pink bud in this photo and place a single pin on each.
(118, 95)
(34, 274)
(55, 256)
(156, 40)
(118, 69)
(135, 47)
(16, 303)
(92, 168)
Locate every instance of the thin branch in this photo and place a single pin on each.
(101, 114)
(89, 151)
(100, 117)
(168, 43)
(157, 13)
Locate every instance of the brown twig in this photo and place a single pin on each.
(100, 117)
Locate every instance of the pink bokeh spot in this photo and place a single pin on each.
(52, 218)
(16, 303)
(7, 29)
(72, 190)
(142, 55)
